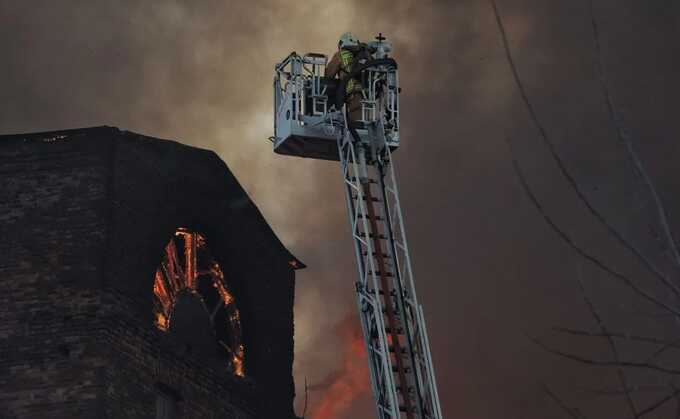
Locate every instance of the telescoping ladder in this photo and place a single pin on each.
(310, 120)
(402, 375)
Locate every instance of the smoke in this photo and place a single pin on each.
(201, 73)
(487, 268)
(342, 387)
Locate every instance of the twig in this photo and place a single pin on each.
(574, 413)
(624, 279)
(624, 137)
(660, 351)
(612, 345)
(636, 338)
(563, 169)
(599, 363)
(632, 389)
(658, 404)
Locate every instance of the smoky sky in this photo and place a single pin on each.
(489, 269)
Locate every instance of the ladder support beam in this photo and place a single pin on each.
(391, 317)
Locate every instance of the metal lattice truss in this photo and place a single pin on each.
(309, 119)
(402, 375)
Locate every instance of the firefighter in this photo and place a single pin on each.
(350, 50)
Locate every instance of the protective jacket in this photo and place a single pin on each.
(340, 65)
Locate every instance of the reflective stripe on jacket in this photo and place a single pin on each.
(346, 62)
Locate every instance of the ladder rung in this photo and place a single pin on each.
(410, 389)
(373, 199)
(377, 217)
(402, 350)
(395, 313)
(393, 293)
(407, 370)
(380, 236)
(405, 409)
(387, 274)
(373, 181)
(384, 255)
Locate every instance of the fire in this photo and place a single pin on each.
(226, 295)
(237, 361)
(161, 292)
(238, 366)
(179, 271)
(351, 381)
(162, 322)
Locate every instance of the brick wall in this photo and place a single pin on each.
(83, 221)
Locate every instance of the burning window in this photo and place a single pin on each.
(188, 265)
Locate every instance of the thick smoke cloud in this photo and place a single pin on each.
(488, 268)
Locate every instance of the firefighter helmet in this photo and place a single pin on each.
(348, 40)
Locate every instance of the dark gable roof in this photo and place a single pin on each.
(94, 208)
(176, 164)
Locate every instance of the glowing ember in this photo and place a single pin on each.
(190, 259)
(238, 366)
(237, 361)
(162, 322)
(161, 292)
(226, 296)
(187, 271)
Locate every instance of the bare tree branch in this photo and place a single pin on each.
(658, 404)
(660, 351)
(631, 389)
(625, 336)
(667, 281)
(624, 137)
(560, 163)
(572, 412)
(624, 279)
(612, 345)
(599, 363)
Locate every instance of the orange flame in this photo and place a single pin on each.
(177, 274)
(237, 361)
(162, 322)
(352, 380)
(238, 366)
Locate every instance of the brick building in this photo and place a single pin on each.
(139, 281)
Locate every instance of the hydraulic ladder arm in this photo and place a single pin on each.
(400, 363)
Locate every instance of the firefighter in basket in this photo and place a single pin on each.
(350, 53)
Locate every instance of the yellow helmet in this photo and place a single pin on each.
(347, 40)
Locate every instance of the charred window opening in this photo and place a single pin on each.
(188, 266)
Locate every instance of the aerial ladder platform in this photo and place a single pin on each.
(311, 120)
